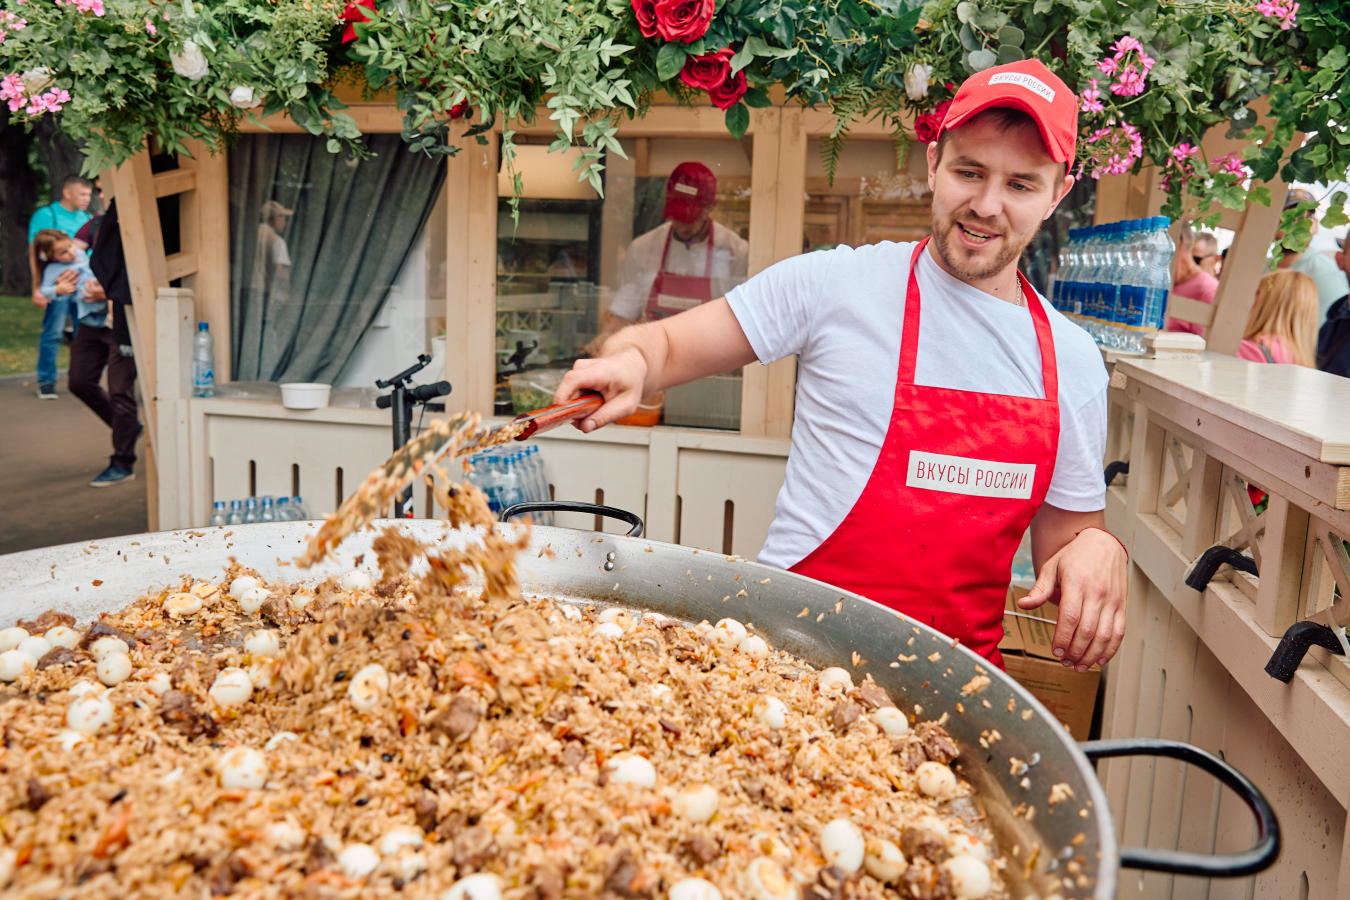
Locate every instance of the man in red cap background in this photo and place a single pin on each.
(686, 260)
(943, 407)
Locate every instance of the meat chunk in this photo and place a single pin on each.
(176, 709)
(46, 621)
(873, 695)
(224, 876)
(910, 753)
(829, 884)
(473, 847)
(925, 881)
(426, 809)
(37, 795)
(843, 715)
(57, 656)
(920, 843)
(546, 882)
(318, 856)
(408, 657)
(937, 743)
(458, 720)
(623, 877)
(451, 826)
(98, 630)
(277, 610)
(573, 755)
(699, 851)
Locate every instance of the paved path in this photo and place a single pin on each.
(49, 451)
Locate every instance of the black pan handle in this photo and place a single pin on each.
(574, 506)
(1228, 865)
(1209, 562)
(1118, 467)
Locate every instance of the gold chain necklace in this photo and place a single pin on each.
(1020, 300)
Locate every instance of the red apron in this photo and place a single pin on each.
(673, 293)
(959, 477)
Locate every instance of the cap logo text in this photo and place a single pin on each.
(686, 189)
(1030, 82)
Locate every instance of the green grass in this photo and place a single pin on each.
(20, 328)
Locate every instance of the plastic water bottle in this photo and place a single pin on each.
(218, 513)
(298, 510)
(1157, 280)
(1130, 311)
(283, 510)
(250, 510)
(236, 514)
(268, 513)
(203, 362)
(1068, 288)
(1115, 335)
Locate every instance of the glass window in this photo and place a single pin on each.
(337, 264)
(672, 232)
(880, 193)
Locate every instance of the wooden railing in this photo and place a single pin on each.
(1204, 438)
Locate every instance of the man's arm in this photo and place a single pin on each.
(641, 360)
(1083, 570)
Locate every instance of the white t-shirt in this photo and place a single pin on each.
(730, 263)
(841, 311)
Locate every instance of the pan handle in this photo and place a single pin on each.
(574, 506)
(1228, 865)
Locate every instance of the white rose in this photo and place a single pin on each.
(916, 80)
(192, 63)
(35, 81)
(244, 97)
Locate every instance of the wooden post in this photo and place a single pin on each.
(764, 208)
(1243, 268)
(471, 275)
(1281, 582)
(791, 219)
(174, 325)
(204, 214)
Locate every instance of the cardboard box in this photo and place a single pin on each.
(1070, 697)
(1029, 658)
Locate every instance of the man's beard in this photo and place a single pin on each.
(966, 269)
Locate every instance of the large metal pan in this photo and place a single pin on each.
(1068, 849)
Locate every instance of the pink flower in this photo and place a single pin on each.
(1091, 98)
(1113, 150)
(1165, 185)
(1125, 45)
(1182, 151)
(1133, 71)
(51, 101)
(1130, 83)
(1283, 10)
(11, 91)
(150, 27)
(1231, 164)
(1108, 66)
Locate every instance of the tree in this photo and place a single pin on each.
(18, 197)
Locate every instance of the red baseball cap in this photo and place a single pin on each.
(1031, 87)
(690, 189)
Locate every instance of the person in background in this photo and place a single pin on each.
(103, 341)
(1282, 327)
(1206, 253)
(1333, 341)
(89, 230)
(1189, 280)
(67, 215)
(1326, 275)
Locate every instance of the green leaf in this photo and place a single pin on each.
(1041, 7)
(967, 11)
(334, 145)
(1007, 53)
(744, 57)
(757, 99)
(1010, 36)
(1335, 216)
(738, 119)
(982, 59)
(1335, 59)
(969, 40)
(669, 60)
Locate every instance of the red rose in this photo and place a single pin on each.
(709, 71)
(353, 14)
(460, 110)
(730, 93)
(645, 10)
(683, 20)
(928, 125)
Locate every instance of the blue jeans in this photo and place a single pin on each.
(53, 323)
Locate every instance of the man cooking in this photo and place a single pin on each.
(915, 489)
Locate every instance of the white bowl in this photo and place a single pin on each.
(299, 395)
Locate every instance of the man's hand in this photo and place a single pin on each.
(619, 376)
(93, 291)
(641, 360)
(40, 300)
(1087, 577)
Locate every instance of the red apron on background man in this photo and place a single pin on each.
(958, 480)
(671, 293)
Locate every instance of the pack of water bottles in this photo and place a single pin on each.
(1114, 280)
(511, 475)
(259, 509)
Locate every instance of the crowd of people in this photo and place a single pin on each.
(1301, 312)
(73, 254)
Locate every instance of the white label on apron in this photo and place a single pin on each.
(669, 301)
(976, 477)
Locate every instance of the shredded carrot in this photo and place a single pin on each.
(115, 835)
(528, 781)
(323, 876)
(325, 778)
(408, 720)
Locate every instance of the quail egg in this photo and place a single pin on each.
(252, 599)
(369, 687)
(358, 860)
(355, 580)
(890, 720)
(242, 769)
(36, 647)
(108, 644)
(697, 804)
(693, 889)
(89, 713)
(765, 879)
(114, 668)
(179, 606)
(241, 584)
(483, 886)
(771, 711)
(232, 687)
(969, 876)
(936, 780)
(10, 637)
(835, 679)
(842, 844)
(884, 861)
(631, 769)
(61, 636)
(262, 643)
(14, 663)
